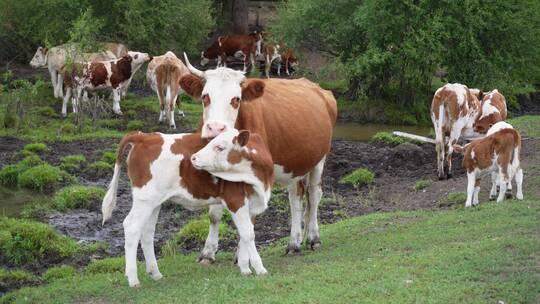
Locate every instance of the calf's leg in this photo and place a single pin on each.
(476, 191)
(314, 198)
(147, 244)
(208, 254)
(519, 184)
(471, 180)
(133, 226)
(493, 192)
(503, 181)
(247, 251)
(116, 101)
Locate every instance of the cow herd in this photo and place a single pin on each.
(255, 132)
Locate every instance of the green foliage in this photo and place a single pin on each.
(99, 169)
(37, 209)
(456, 197)
(9, 175)
(108, 265)
(135, 125)
(44, 178)
(421, 184)
(45, 111)
(109, 157)
(95, 247)
(389, 138)
(56, 273)
(72, 163)
(24, 241)
(35, 147)
(68, 128)
(358, 177)
(527, 125)
(113, 123)
(16, 277)
(74, 197)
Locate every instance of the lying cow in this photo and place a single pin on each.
(499, 153)
(163, 74)
(271, 53)
(55, 58)
(492, 110)
(246, 45)
(112, 75)
(271, 108)
(244, 171)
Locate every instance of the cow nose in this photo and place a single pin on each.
(216, 128)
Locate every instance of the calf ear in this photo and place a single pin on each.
(192, 85)
(243, 137)
(458, 148)
(252, 89)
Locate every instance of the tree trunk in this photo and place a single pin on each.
(240, 16)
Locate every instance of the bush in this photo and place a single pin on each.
(358, 177)
(78, 197)
(25, 241)
(36, 147)
(9, 175)
(106, 265)
(135, 125)
(99, 169)
(421, 184)
(55, 273)
(389, 138)
(16, 277)
(44, 178)
(457, 197)
(72, 163)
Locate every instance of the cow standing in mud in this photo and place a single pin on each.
(247, 46)
(271, 108)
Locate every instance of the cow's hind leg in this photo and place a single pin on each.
(503, 182)
(476, 191)
(133, 226)
(519, 184)
(314, 197)
(147, 244)
(116, 101)
(247, 251)
(296, 191)
(208, 254)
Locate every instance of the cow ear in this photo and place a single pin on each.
(252, 89)
(192, 85)
(458, 148)
(45, 50)
(243, 137)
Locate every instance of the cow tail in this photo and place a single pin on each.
(439, 132)
(515, 157)
(109, 201)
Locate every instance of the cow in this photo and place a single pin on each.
(492, 110)
(271, 53)
(112, 75)
(289, 59)
(247, 45)
(271, 108)
(163, 74)
(55, 58)
(453, 111)
(498, 153)
(165, 167)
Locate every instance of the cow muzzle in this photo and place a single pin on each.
(213, 129)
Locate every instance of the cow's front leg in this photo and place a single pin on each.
(133, 226)
(493, 191)
(519, 184)
(208, 254)
(67, 97)
(247, 251)
(471, 180)
(60, 84)
(54, 80)
(116, 100)
(279, 68)
(295, 201)
(147, 244)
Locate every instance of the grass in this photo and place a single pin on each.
(35, 147)
(421, 184)
(358, 177)
(456, 197)
(72, 163)
(450, 256)
(56, 273)
(528, 125)
(16, 277)
(99, 169)
(44, 178)
(86, 197)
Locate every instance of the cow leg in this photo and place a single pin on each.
(60, 84)
(54, 79)
(295, 200)
(247, 251)
(493, 192)
(314, 198)
(133, 227)
(503, 181)
(508, 193)
(279, 68)
(208, 254)
(147, 244)
(476, 191)
(67, 97)
(267, 65)
(471, 180)
(519, 184)
(172, 106)
(252, 58)
(245, 62)
(287, 67)
(454, 136)
(116, 101)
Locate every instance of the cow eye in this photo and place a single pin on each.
(491, 125)
(206, 100)
(219, 148)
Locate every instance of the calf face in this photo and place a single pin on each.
(40, 58)
(492, 110)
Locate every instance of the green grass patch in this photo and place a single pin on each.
(25, 241)
(35, 147)
(75, 197)
(109, 157)
(56, 273)
(481, 255)
(421, 184)
(528, 125)
(358, 177)
(135, 125)
(72, 163)
(388, 138)
(16, 277)
(44, 178)
(99, 169)
(456, 197)
(339, 85)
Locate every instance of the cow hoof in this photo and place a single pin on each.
(119, 113)
(315, 244)
(519, 196)
(261, 272)
(172, 126)
(135, 284)
(492, 198)
(292, 249)
(246, 272)
(449, 175)
(156, 276)
(206, 261)
(508, 194)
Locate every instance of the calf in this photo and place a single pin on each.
(271, 53)
(163, 74)
(453, 111)
(243, 171)
(102, 75)
(492, 110)
(226, 46)
(498, 152)
(289, 59)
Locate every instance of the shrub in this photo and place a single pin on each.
(29, 162)
(106, 265)
(10, 119)
(78, 197)
(44, 178)
(389, 138)
(35, 147)
(95, 247)
(25, 241)
(16, 277)
(135, 125)
(99, 169)
(457, 197)
(358, 177)
(72, 163)
(421, 184)
(55, 273)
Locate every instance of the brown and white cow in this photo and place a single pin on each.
(247, 45)
(164, 74)
(112, 75)
(272, 108)
(55, 58)
(271, 53)
(492, 110)
(165, 167)
(453, 111)
(289, 59)
(497, 153)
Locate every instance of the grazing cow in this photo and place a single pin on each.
(102, 75)
(289, 59)
(271, 53)
(271, 108)
(453, 111)
(55, 59)
(163, 74)
(492, 110)
(151, 164)
(224, 46)
(498, 152)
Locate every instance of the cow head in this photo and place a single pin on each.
(40, 57)
(138, 58)
(221, 91)
(488, 116)
(216, 155)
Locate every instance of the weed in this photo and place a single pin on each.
(44, 178)
(57, 273)
(358, 177)
(99, 169)
(16, 277)
(109, 157)
(72, 163)
(135, 125)
(75, 197)
(456, 197)
(106, 265)
(36, 147)
(421, 184)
